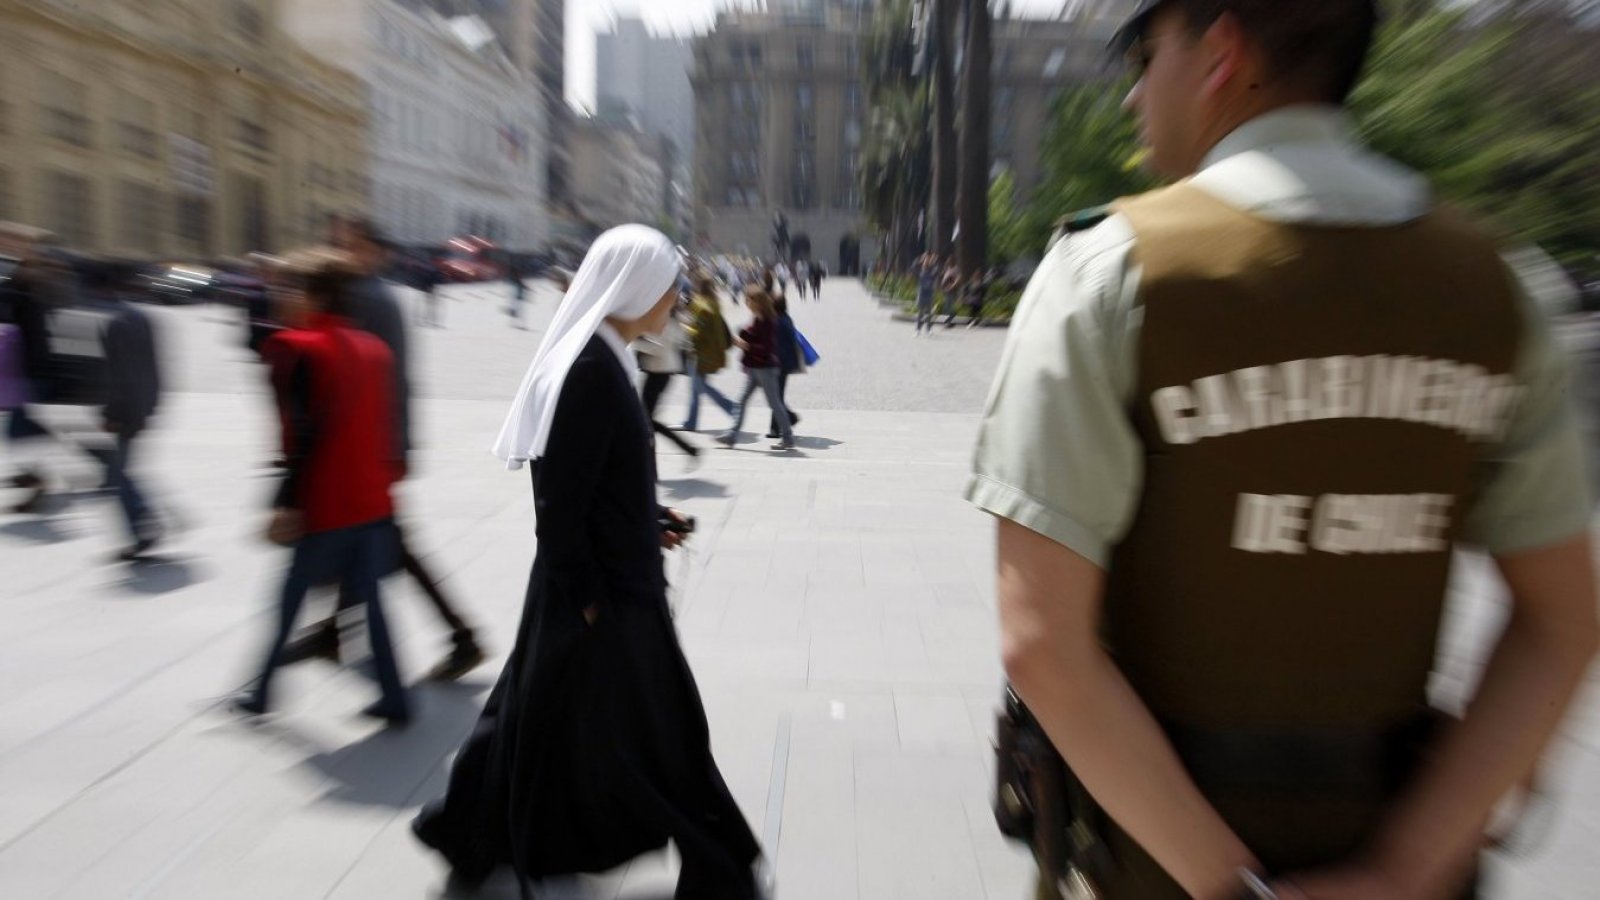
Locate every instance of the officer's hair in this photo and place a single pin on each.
(1318, 45)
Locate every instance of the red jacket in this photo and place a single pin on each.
(334, 392)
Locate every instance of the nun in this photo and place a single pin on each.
(593, 747)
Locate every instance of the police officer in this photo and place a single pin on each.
(1237, 431)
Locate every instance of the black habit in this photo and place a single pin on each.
(593, 747)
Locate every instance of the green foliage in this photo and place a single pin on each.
(1007, 234)
(1090, 156)
(1502, 115)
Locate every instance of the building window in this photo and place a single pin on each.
(136, 119)
(248, 20)
(252, 134)
(1055, 63)
(805, 57)
(69, 209)
(139, 217)
(804, 97)
(65, 108)
(193, 216)
(745, 97)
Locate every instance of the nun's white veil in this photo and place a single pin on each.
(624, 275)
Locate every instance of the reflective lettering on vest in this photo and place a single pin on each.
(1342, 524)
(1441, 393)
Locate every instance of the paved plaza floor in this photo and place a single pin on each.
(837, 606)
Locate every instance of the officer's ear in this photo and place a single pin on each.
(1228, 55)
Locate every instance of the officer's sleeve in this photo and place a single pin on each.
(1057, 453)
(1534, 484)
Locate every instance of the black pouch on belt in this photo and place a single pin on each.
(1040, 802)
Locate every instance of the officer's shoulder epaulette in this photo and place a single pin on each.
(1083, 220)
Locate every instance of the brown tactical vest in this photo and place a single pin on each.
(1312, 402)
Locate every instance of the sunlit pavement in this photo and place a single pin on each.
(836, 605)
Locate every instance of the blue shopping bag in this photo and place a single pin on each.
(807, 352)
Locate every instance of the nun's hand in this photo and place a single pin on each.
(670, 539)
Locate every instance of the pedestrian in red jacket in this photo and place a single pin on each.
(332, 385)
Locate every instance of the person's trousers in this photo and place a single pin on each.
(698, 386)
(924, 315)
(135, 510)
(355, 557)
(655, 384)
(783, 399)
(767, 381)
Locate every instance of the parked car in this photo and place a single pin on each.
(469, 259)
(177, 283)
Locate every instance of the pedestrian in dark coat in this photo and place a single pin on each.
(133, 393)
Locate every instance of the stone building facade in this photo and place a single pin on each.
(180, 129)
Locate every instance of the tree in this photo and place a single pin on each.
(1457, 97)
(942, 212)
(896, 153)
(972, 248)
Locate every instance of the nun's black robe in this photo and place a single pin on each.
(593, 747)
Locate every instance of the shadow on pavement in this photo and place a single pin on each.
(687, 487)
(389, 766)
(37, 531)
(155, 575)
(816, 443)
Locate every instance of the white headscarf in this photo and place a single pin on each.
(624, 275)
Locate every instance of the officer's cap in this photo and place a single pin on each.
(1133, 29)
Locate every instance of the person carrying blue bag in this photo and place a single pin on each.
(795, 354)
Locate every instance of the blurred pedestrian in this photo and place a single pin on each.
(593, 747)
(950, 293)
(818, 272)
(802, 278)
(1241, 425)
(373, 308)
(661, 356)
(927, 272)
(974, 295)
(133, 394)
(709, 340)
(759, 341)
(428, 280)
(519, 293)
(782, 273)
(790, 362)
(25, 298)
(334, 508)
(261, 322)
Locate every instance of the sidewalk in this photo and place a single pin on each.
(836, 604)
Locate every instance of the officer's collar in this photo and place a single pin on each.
(1300, 124)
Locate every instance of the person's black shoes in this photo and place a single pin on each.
(465, 656)
(139, 548)
(320, 642)
(391, 716)
(246, 704)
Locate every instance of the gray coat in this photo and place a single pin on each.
(377, 312)
(133, 372)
